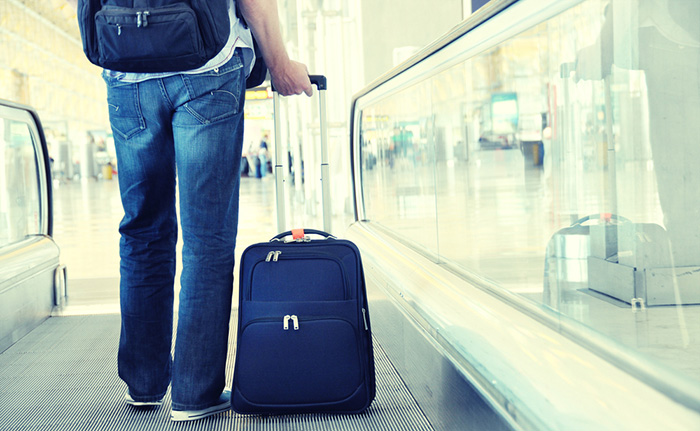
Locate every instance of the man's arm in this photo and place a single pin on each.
(288, 76)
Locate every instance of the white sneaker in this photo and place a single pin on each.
(132, 402)
(222, 405)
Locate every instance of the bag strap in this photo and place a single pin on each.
(259, 73)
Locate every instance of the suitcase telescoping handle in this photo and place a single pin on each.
(320, 82)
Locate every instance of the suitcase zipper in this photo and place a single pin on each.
(294, 318)
(285, 321)
(142, 18)
(274, 256)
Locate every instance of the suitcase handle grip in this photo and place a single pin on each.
(282, 235)
(318, 80)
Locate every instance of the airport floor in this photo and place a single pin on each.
(86, 220)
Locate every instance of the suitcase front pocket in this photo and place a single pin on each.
(298, 277)
(297, 361)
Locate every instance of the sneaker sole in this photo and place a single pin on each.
(191, 415)
(145, 403)
(130, 401)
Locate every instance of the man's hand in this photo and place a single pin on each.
(289, 77)
(292, 79)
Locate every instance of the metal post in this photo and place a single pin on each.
(325, 170)
(279, 166)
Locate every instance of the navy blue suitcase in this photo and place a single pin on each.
(304, 342)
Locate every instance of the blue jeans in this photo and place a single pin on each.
(189, 126)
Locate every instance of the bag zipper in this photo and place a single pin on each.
(276, 255)
(297, 321)
(142, 14)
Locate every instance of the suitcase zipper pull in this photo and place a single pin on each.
(273, 256)
(293, 318)
(142, 18)
(364, 317)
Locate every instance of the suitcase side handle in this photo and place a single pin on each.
(281, 236)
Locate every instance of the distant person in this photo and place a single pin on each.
(253, 160)
(263, 156)
(188, 124)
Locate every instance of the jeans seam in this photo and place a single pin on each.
(142, 123)
(188, 87)
(164, 92)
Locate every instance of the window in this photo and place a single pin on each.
(20, 204)
(560, 164)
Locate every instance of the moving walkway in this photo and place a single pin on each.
(485, 312)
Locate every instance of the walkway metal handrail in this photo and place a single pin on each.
(479, 17)
(491, 9)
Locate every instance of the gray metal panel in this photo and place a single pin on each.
(611, 279)
(26, 287)
(671, 286)
(27, 267)
(448, 400)
(63, 375)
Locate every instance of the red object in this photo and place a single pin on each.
(297, 233)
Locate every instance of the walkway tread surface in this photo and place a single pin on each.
(63, 376)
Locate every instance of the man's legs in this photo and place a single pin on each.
(208, 131)
(140, 118)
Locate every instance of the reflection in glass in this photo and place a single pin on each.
(563, 165)
(398, 156)
(19, 185)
